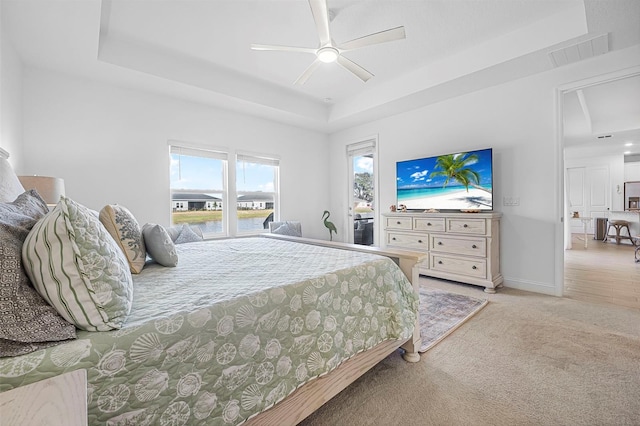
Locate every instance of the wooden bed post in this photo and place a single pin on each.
(412, 346)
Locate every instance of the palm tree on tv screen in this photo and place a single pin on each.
(456, 167)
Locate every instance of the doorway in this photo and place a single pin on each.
(598, 128)
(361, 215)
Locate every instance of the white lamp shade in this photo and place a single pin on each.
(49, 188)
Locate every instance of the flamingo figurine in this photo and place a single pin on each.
(330, 226)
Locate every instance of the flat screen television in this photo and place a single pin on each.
(451, 182)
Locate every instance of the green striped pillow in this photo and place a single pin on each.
(78, 268)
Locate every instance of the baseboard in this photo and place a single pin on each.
(533, 286)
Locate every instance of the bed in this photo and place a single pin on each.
(250, 330)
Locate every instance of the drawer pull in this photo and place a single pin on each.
(465, 225)
(420, 241)
(474, 267)
(439, 262)
(439, 243)
(394, 238)
(429, 224)
(398, 223)
(474, 246)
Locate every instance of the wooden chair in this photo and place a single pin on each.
(619, 225)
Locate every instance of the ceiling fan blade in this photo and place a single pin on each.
(320, 14)
(307, 73)
(376, 38)
(282, 48)
(360, 72)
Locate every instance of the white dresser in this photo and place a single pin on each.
(463, 247)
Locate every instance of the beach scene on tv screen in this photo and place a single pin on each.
(461, 181)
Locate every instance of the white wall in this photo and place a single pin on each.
(110, 146)
(10, 100)
(632, 171)
(517, 120)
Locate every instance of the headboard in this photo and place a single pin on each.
(10, 186)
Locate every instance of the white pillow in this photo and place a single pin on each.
(78, 268)
(287, 229)
(10, 186)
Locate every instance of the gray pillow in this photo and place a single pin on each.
(187, 235)
(174, 231)
(28, 322)
(287, 229)
(159, 245)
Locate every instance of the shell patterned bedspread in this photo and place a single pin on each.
(236, 327)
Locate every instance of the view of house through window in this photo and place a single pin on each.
(198, 189)
(257, 191)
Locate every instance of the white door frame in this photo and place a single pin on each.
(348, 228)
(560, 180)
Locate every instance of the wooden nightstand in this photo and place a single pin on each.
(60, 400)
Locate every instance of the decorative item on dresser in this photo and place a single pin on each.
(463, 247)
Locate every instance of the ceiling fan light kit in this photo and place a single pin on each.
(327, 52)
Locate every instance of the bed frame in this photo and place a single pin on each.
(311, 396)
(308, 398)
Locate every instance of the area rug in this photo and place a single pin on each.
(442, 312)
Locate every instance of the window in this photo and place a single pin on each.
(257, 191)
(198, 189)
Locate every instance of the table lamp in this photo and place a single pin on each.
(49, 188)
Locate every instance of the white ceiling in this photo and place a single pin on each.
(603, 119)
(200, 50)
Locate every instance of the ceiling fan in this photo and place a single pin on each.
(328, 50)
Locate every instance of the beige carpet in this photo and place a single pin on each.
(525, 359)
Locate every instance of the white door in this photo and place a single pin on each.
(361, 214)
(588, 195)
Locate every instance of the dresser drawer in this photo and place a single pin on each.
(410, 241)
(435, 224)
(399, 223)
(453, 245)
(461, 266)
(467, 226)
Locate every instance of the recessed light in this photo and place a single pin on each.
(627, 152)
(628, 144)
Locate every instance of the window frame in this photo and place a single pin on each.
(264, 159)
(194, 150)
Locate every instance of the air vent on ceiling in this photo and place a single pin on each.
(579, 51)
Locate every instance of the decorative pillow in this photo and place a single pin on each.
(174, 231)
(188, 235)
(78, 268)
(124, 228)
(159, 245)
(10, 186)
(287, 229)
(28, 322)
